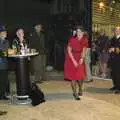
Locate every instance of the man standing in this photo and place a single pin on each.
(102, 43)
(4, 44)
(87, 65)
(37, 41)
(115, 60)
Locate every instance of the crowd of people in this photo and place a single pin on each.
(105, 57)
(100, 54)
(36, 41)
(82, 61)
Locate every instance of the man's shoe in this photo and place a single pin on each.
(117, 91)
(40, 81)
(43, 79)
(3, 113)
(113, 88)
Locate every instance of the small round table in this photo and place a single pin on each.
(22, 77)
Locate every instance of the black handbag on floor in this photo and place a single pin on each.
(36, 95)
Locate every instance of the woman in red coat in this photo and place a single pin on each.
(74, 69)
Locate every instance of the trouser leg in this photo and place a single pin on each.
(113, 72)
(38, 67)
(8, 84)
(117, 73)
(43, 67)
(87, 68)
(3, 82)
(35, 68)
(88, 72)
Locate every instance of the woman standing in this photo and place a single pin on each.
(74, 69)
(19, 42)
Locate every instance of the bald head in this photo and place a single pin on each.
(117, 31)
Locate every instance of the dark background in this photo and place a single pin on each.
(26, 13)
(57, 16)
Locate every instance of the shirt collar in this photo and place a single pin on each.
(118, 36)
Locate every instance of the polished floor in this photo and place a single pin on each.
(97, 103)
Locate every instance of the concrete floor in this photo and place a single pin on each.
(97, 103)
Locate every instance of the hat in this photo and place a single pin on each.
(2, 28)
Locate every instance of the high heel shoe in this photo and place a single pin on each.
(76, 96)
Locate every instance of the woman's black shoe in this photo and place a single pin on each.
(76, 97)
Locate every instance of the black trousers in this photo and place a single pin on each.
(115, 73)
(3, 82)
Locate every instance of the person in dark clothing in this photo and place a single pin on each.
(94, 60)
(4, 45)
(115, 60)
(94, 55)
(38, 64)
(102, 49)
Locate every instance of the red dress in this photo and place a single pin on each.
(70, 71)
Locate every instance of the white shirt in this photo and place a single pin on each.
(117, 36)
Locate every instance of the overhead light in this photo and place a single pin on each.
(113, 1)
(101, 5)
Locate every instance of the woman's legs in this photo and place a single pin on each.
(73, 85)
(80, 84)
(74, 89)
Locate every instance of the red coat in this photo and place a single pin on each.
(70, 71)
